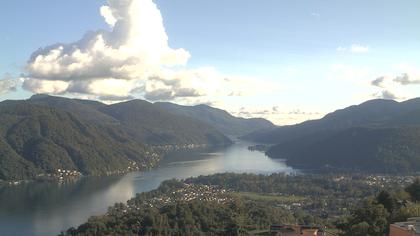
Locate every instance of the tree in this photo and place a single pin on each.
(414, 190)
(410, 210)
(361, 229)
(370, 219)
(387, 200)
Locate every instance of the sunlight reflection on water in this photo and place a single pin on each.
(47, 208)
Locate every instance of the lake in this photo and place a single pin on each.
(49, 207)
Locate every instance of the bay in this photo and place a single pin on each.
(47, 208)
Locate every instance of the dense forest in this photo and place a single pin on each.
(47, 136)
(152, 119)
(394, 150)
(143, 121)
(375, 136)
(373, 113)
(38, 141)
(372, 216)
(185, 218)
(247, 204)
(219, 119)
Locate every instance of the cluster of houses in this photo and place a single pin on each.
(63, 174)
(383, 181)
(169, 148)
(190, 192)
(379, 180)
(146, 164)
(187, 193)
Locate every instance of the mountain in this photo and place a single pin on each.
(85, 109)
(373, 113)
(393, 149)
(144, 121)
(45, 134)
(378, 135)
(220, 119)
(36, 141)
(152, 124)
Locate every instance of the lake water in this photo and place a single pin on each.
(48, 208)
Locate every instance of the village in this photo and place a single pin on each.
(188, 193)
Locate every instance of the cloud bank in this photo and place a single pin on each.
(276, 114)
(391, 85)
(379, 82)
(354, 48)
(406, 79)
(131, 59)
(8, 84)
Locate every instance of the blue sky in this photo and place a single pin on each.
(310, 57)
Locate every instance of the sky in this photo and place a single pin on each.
(287, 61)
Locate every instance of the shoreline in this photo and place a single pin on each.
(160, 152)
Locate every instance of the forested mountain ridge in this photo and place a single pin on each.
(392, 149)
(39, 141)
(45, 135)
(375, 113)
(166, 114)
(144, 121)
(151, 124)
(85, 109)
(378, 135)
(220, 119)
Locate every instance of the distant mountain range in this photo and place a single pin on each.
(378, 135)
(220, 119)
(166, 117)
(44, 134)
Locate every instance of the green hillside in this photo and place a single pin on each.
(153, 125)
(394, 149)
(36, 141)
(220, 119)
(377, 135)
(374, 113)
(43, 136)
(143, 121)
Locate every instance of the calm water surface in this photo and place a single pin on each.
(48, 208)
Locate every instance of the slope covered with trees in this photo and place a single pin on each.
(247, 204)
(85, 109)
(220, 119)
(373, 113)
(37, 141)
(45, 135)
(143, 121)
(151, 124)
(394, 149)
(378, 135)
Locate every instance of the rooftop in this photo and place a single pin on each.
(412, 224)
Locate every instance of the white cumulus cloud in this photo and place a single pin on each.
(45, 86)
(132, 58)
(8, 84)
